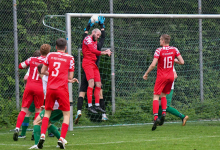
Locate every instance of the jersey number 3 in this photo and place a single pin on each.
(57, 67)
(168, 62)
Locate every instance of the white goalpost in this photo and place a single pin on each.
(168, 16)
(68, 17)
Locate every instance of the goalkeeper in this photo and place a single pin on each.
(84, 82)
(170, 109)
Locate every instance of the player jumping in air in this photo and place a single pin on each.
(165, 57)
(84, 82)
(89, 50)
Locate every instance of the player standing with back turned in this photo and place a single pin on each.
(59, 67)
(33, 89)
(165, 56)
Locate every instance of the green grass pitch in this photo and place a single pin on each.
(170, 136)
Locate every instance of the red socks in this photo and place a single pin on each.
(155, 108)
(36, 114)
(44, 126)
(20, 119)
(64, 130)
(164, 105)
(97, 94)
(89, 94)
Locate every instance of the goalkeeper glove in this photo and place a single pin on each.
(101, 21)
(90, 24)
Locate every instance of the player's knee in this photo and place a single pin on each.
(91, 83)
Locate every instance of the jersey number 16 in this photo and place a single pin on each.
(168, 62)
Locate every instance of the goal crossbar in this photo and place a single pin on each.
(81, 15)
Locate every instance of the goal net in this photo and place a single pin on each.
(135, 41)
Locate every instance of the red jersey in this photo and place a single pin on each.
(59, 64)
(89, 50)
(33, 78)
(166, 56)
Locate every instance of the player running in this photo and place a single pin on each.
(165, 57)
(34, 88)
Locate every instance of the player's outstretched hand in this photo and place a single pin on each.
(145, 76)
(108, 52)
(73, 80)
(90, 24)
(101, 21)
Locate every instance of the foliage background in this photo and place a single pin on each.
(135, 41)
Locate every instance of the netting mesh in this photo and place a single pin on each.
(135, 41)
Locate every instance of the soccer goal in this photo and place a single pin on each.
(133, 38)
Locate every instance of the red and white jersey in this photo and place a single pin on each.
(33, 78)
(166, 56)
(59, 64)
(89, 50)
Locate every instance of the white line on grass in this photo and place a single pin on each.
(118, 142)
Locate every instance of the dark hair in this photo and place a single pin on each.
(39, 68)
(36, 53)
(166, 38)
(45, 49)
(61, 44)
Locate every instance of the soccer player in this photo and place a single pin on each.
(56, 114)
(31, 109)
(170, 109)
(34, 88)
(165, 57)
(89, 50)
(59, 67)
(84, 82)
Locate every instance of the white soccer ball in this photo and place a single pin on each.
(94, 18)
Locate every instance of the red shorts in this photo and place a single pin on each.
(92, 72)
(163, 85)
(61, 95)
(33, 94)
